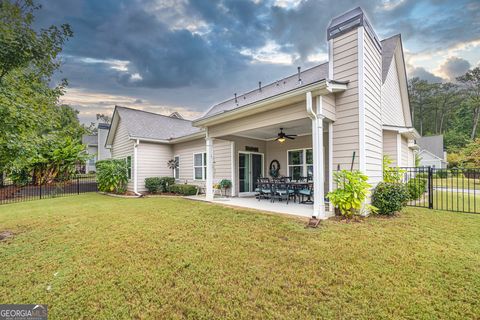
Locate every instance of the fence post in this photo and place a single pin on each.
(430, 188)
(78, 185)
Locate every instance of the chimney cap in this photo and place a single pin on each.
(348, 21)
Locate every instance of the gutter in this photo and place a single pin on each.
(189, 137)
(322, 84)
(135, 168)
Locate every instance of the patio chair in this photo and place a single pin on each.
(264, 189)
(306, 192)
(281, 191)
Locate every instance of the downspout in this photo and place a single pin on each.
(135, 167)
(318, 193)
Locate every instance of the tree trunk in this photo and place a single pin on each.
(476, 116)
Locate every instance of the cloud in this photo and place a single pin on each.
(454, 67)
(423, 74)
(194, 53)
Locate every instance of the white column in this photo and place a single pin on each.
(209, 178)
(399, 150)
(233, 167)
(330, 162)
(318, 163)
(135, 166)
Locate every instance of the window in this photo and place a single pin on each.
(128, 160)
(176, 171)
(199, 166)
(300, 163)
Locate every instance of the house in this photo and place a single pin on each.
(95, 146)
(353, 108)
(432, 152)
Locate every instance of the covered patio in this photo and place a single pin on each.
(258, 146)
(295, 209)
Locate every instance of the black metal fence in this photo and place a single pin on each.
(444, 189)
(14, 192)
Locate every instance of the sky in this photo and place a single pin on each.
(187, 55)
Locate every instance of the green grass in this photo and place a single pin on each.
(456, 201)
(455, 182)
(97, 257)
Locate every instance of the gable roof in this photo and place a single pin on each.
(433, 156)
(151, 126)
(433, 144)
(388, 50)
(308, 77)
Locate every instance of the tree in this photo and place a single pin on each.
(22, 46)
(101, 118)
(471, 82)
(39, 136)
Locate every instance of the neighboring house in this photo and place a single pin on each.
(432, 152)
(354, 104)
(96, 146)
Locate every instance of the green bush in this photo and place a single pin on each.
(158, 184)
(183, 189)
(391, 174)
(112, 175)
(416, 187)
(441, 173)
(153, 185)
(389, 198)
(352, 190)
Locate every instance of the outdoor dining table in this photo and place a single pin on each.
(297, 185)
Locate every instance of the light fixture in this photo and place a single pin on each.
(281, 140)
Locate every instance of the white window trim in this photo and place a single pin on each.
(131, 167)
(304, 165)
(204, 166)
(178, 168)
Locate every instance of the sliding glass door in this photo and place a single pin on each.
(250, 168)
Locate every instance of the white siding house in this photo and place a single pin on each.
(346, 112)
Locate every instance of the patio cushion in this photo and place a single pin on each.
(266, 191)
(305, 192)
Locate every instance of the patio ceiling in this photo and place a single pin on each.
(299, 127)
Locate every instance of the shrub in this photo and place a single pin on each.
(352, 190)
(158, 184)
(153, 185)
(416, 187)
(391, 174)
(183, 189)
(442, 173)
(389, 198)
(112, 175)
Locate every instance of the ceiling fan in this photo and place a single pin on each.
(281, 136)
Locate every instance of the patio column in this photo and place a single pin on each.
(209, 177)
(317, 150)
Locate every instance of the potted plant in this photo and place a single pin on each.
(225, 184)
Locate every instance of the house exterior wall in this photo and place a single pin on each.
(373, 134)
(122, 147)
(390, 145)
(152, 162)
(346, 126)
(392, 105)
(222, 154)
(103, 153)
(279, 151)
(240, 144)
(93, 153)
(405, 151)
(428, 160)
(282, 114)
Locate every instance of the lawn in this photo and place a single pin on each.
(93, 256)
